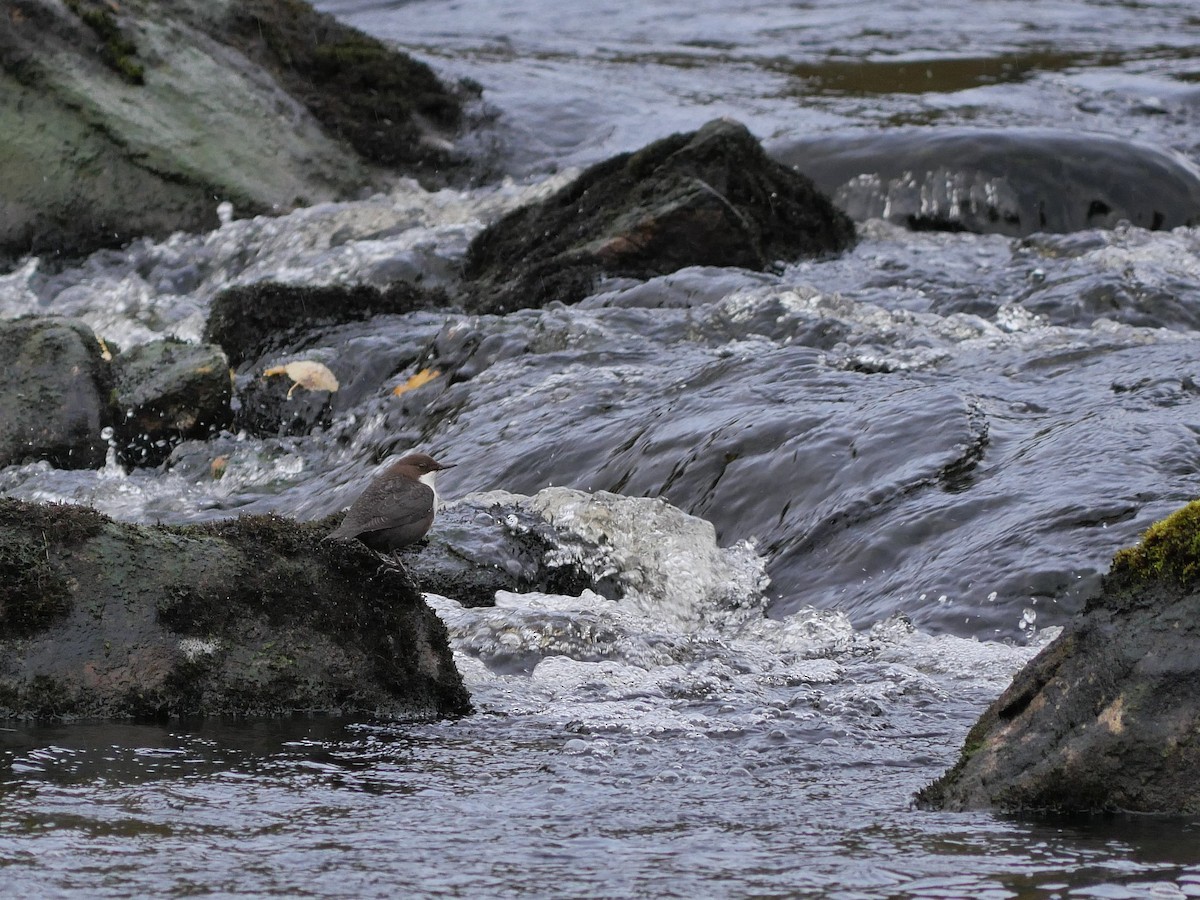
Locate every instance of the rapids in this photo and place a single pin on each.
(931, 446)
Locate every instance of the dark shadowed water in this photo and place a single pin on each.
(959, 428)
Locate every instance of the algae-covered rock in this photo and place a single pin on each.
(169, 391)
(250, 616)
(56, 393)
(708, 198)
(138, 118)
(1107, 717)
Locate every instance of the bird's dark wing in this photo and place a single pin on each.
(387, 503)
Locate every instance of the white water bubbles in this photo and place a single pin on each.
(689, 652)
(158, 288)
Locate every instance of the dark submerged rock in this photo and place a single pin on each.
(251, 320)
(250, 616)
(477, 548)
(169, 391)
(275, 406)
(710, 197)
(56, 393)
(1106, 717)
(991, 181)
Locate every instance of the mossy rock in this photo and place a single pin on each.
(1169, 551)
(56, 393)
(1105, 718)
(250, 320)
(170, 391)
(711, 197)
(250, 616)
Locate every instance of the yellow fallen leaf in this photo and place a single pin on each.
(312, 376)
(105, 353)
(423, 377)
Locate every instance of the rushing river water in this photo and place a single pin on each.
(934, 444)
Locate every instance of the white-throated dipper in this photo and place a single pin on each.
(396, 508)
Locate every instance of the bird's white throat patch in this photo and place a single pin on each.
(429, 478)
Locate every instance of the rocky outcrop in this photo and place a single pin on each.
(711, 197)
(251, 320)
(67, 397)
(1107, 717)
(137, 119)
(990, 181)
(250, 616)
(169, 391)
(275, 334)
(56, 393)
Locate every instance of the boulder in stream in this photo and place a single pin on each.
(250, 320)
(56, 393)
(138, 118)
(711, 197)
(249, 616)
(1107, 717)
(169, 391)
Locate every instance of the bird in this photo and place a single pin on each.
(396, 509)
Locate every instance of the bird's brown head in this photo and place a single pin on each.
(421, 464)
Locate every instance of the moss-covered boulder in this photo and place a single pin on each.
(250, 616)
(1107, 717)
(169, 391)
(56, 393)
(707, 198)
(138, 118)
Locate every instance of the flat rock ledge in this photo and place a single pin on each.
(253, 616)
(1107, 717)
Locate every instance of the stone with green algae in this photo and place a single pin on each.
(1107, 716)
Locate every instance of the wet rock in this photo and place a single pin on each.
(271, 404)
(481, 545)
(56, 393)
(249, 616)
(710, 197)
(641, 551)
(390, 108)
(169, 391)
(251, 320)
(137, 119)
(1106, 717)
(1014, 182)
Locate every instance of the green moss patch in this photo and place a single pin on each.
(116, 50)
(360, 89)
(36, 593)
(64, 523)
(1169, 551)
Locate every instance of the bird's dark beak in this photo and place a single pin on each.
(446, 466)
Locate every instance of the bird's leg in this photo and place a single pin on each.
(390, 562)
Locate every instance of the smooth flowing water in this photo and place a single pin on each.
(935, 443)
